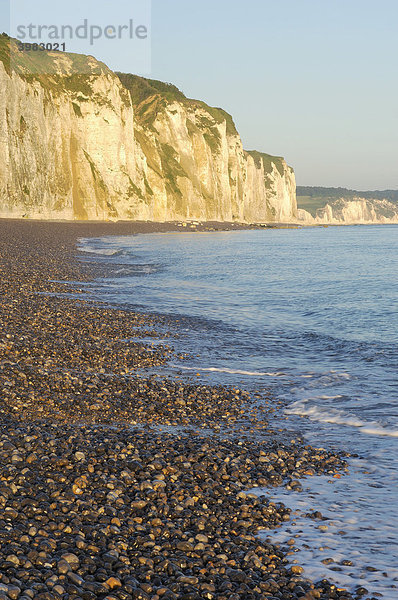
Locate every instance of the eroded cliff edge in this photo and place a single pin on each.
(78, 141)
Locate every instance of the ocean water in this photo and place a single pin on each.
(311, 314)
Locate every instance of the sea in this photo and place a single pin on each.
(311, 315)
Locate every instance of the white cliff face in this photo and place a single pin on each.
(197, 168)
(273, 181)
(304, 217)
(352, 212)
(79, 147)
(65, 154)
(282, 193)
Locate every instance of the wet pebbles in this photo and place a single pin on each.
(98, 497)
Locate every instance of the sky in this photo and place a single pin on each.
(315, 81)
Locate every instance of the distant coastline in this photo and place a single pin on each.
(342, 206)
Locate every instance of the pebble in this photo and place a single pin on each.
(120, 485)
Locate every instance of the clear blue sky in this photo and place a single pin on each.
(313, 80)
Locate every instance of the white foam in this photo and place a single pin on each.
(325, 397)
(86, 245)
(333, 415)
(366, 515)
(232, 371)
(326, 379)
(100, 251)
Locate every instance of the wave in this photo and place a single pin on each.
(232, 371)
(332, 415)
(325, 397)
(325, 379)
(101, 251)
(136, 270)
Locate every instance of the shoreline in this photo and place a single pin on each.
(184, 226)
(96, 500)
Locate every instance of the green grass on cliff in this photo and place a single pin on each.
(43, 62)
(267, 160)
(141, 88)
(5, 51)
(219, 115)
(340, 192)
(150, 95)
(55, 71)
(312, 203)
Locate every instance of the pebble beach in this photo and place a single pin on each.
(117, 485)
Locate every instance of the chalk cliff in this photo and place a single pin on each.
(78, 141)
(356, 211)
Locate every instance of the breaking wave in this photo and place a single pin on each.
(100, 251)
(232, 371)
(339, 417)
